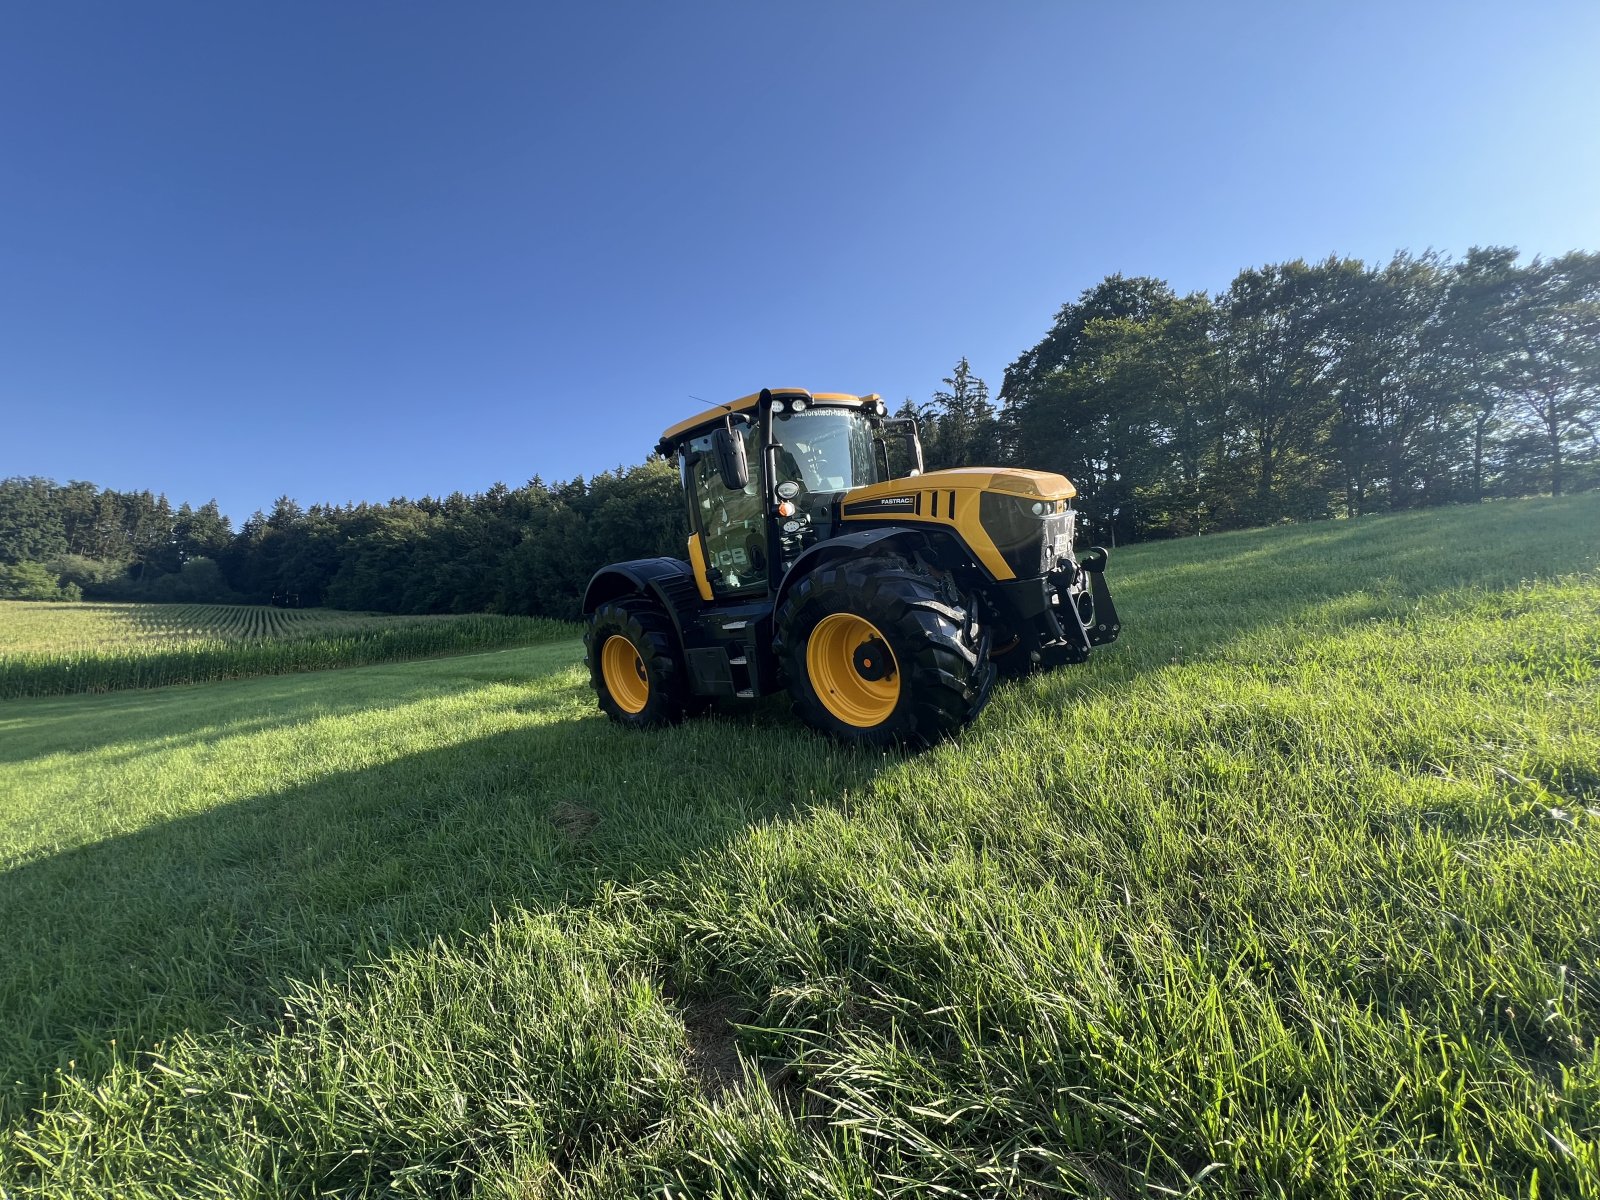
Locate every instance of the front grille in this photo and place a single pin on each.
(1030, 544)
(1057, 538)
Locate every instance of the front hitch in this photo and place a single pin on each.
(1106, 625)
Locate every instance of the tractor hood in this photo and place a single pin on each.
(1010, 481)
(995, 511)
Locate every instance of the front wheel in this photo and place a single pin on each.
(876, 651)
(634, 665)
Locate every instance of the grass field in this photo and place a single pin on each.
(63, 649)
(1291, 893)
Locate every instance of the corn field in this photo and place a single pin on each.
(62, 649)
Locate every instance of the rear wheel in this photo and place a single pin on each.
(634, 665)
(877, 651)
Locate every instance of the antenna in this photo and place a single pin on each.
(728, 408)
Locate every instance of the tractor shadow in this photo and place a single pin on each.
(199, 923)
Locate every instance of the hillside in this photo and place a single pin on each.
(1288, 893)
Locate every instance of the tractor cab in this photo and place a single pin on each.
(764, 480)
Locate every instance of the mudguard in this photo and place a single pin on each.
(881, 538)
(668, 581)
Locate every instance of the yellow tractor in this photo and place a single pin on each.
(886, 606)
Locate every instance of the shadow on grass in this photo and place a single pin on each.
(197, 923)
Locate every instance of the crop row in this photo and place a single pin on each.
(35, 627)
(203, 660)
(244, 621)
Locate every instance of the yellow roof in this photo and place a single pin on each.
(746, 403)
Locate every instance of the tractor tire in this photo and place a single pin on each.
(634, 666)
(877, 652)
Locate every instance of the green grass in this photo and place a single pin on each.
(1292, 892)
(65, 649)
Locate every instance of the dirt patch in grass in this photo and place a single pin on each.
(713, 1044)
(573, 821)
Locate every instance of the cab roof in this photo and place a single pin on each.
(713, 416)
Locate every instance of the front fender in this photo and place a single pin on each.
(847, 545)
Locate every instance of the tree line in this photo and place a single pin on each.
(1303, 391)
(528, 550)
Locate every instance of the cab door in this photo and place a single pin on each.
(728, 529)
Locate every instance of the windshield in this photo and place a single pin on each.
(825, 449)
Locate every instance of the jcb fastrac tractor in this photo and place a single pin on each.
(885, 606)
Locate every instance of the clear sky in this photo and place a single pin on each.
(358, 250)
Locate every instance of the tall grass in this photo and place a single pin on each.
(142, 646)
(1289, 894)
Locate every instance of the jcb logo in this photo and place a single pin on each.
(730, 559)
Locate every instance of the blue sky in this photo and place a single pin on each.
(353, 251)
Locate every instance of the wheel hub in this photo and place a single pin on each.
(873, 660)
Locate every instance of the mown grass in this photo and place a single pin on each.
(66, 649)
(1291, 893)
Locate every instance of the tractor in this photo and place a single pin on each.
(885, 605)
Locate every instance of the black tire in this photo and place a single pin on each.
(939, 652)
(659, 669)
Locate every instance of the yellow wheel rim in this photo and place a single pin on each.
(836, 670)
(623, 670)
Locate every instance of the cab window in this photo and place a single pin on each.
(826, 449)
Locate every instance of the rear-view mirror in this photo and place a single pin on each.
(727, 448)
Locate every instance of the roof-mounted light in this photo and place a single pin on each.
(800, 406)
(778, 406)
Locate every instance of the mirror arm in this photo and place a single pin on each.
(912, 430)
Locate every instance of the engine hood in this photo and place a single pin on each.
(1012, 481)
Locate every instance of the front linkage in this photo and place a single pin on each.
(1052, 619)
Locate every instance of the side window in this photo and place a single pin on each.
(734, 523)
